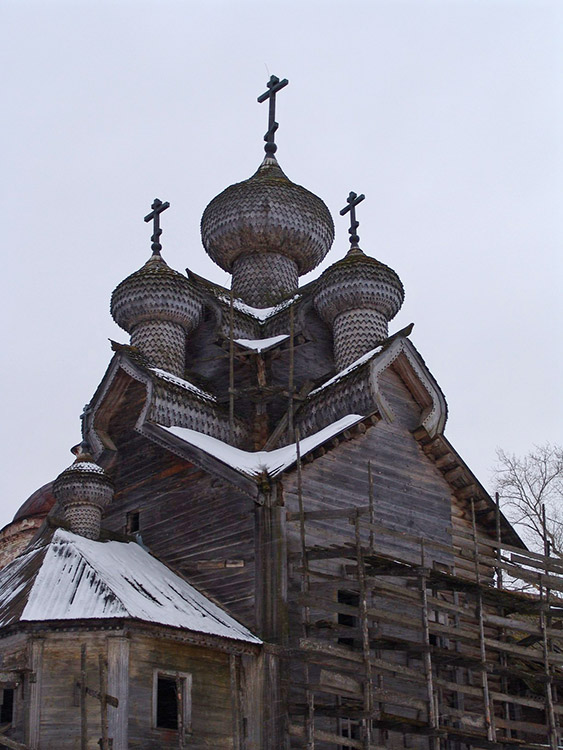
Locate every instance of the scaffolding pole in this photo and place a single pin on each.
(363, 607)
(231, 368)
(487, 700)
(309, 695)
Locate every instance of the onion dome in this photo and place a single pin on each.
(358, 281)
(268, 224)
(155, 292)
(358, 296)
(83, 490)
(267, 213)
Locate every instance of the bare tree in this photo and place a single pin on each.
(528, 483)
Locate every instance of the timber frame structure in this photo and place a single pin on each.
(422, 653)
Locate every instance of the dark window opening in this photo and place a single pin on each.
(7, 707)
(133, 522)
(350, 729)
(353, 600)
(166, 703)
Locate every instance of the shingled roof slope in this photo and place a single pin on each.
(70, 577)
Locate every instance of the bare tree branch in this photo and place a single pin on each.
(525, 484)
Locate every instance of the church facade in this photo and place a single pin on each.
(266, 540)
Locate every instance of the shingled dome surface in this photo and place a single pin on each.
(267, 213)
(155, 291)
(359, 281)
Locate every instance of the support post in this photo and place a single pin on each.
(487, 700)
(499, 540)
(363, 606)
(103, 670)
(305, 614)
(180, 709)
(432, 718)
(546, 597)
(234, 672)
(83, 707)
(35, 689)
(371, 506)
(231, 369)
(118, 685)
(290, 385)
(502, 633)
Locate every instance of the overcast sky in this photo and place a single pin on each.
(447, 115)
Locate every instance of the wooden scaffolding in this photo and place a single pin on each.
(438, 647)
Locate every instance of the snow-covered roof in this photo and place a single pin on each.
(259, 313)
(261, 345)
(347, 370)
(256, 463)
(181, 383)
(74, 578)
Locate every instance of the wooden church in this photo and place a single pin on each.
(266, 541)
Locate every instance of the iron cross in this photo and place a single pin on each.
(157, 208)
(353, 199)
(274, 85)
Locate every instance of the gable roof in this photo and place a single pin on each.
(257, 463)
(74, 578)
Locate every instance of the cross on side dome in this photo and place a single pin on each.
(353, 199)
(157, 208)
(274, 85)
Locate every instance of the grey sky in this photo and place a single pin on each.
(447, 115)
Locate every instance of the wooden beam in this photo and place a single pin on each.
(7, 742)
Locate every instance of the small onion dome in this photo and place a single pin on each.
(83, 490)
(267, 214)
(155, 292)
(358, 282)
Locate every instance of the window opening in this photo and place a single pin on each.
(133, 522)
(7, 707)
(166, 703)
(172, 701)
(350, 729)
(352, 598)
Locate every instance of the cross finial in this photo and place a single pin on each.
(157, 208)
(353, 199)
(274, 85)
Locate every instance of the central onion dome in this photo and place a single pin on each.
(267, 231)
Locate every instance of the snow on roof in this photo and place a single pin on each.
(260, 313)
(84, 579)
(182, 383)
(260, 345)
(85, 466)
(257, 462)
(348, 370)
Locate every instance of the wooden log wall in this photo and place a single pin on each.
(212, 705)
(15, 670)
(196, 523)
(409, 495)
(443, 663)
(69, 682)
(488, 682)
